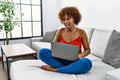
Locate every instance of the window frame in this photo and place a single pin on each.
(31, 22)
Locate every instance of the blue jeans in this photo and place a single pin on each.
(80, 66)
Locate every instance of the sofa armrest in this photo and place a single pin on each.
(36, 39)
(113, 75)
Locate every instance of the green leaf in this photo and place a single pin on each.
(9, 20)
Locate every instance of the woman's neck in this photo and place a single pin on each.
(72, 29)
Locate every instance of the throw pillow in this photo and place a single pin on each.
(99, 41)
(112, 51)
(49, 36)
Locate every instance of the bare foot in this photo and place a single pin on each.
(48, 68)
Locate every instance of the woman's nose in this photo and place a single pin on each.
(66, 21)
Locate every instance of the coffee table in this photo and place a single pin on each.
(15, 51)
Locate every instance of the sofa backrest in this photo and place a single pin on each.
(49, 36)
(99, 42)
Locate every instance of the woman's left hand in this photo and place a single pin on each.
(80, 55)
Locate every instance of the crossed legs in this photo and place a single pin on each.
(82, 65)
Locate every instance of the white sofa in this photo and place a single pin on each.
(98, 38)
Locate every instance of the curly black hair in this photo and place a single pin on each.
(72, 12)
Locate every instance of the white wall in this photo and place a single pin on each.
(103, 14)
(50, 15)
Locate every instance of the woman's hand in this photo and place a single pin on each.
(84, 54)
(80, 55)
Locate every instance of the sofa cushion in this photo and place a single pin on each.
(30, 70)
(99, 42)
(38, 45)
(97, 72)
(112, 51)
(93, 58)
(113, 75)
(49, 36)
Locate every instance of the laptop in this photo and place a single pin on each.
(64, 51)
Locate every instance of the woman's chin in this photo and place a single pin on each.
(67, 27)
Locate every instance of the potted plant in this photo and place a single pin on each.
(8, 18)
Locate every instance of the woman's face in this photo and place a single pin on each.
(68, 22)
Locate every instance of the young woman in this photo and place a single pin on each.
(70, 34)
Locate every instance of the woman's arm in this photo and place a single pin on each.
(85, 45)
(57, 36)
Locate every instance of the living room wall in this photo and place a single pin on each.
(50, 15)
(103, 14)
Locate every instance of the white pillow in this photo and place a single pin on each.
(99, 42)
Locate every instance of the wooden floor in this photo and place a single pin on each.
(3, 75)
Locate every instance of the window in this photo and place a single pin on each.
(31, 21)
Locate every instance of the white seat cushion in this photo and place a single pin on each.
(113, 75)
(30, 70)
(97, 72)
(92, 57)
(99, 42)
(38, 45)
